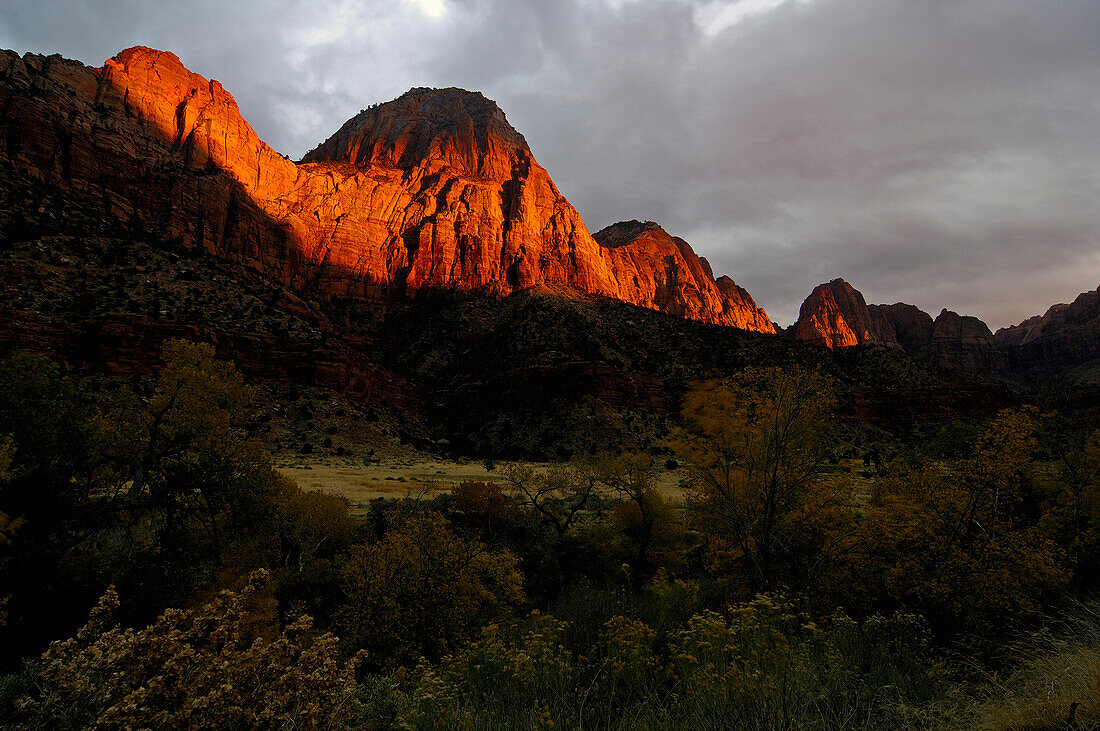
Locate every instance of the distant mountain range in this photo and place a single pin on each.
(1067, 336)
(432, 191)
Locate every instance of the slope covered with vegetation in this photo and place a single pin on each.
(778, 591)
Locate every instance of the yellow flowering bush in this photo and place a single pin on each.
(506, 676)
(740, 662)
(766, 665)
(200, 668)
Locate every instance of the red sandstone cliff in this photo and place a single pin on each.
(434, 189)
(836, 316)
(964, 343)
(648, 260)
(907, 325)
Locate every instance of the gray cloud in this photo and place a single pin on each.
(940, 152)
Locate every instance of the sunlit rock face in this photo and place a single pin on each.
(434, 129)
(662, 272)
(836, 316)
(432, 190)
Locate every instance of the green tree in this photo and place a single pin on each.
(484, 507)
(185, 430)
(754, 448)
(646, 519)
(8, 525)
(162, 495)
(956, 539)
(312, 531)
(51, 500)
(422, 590)
(557, 495)
(193, 495)
(1072, 514)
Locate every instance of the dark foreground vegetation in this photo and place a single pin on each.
(791, 586)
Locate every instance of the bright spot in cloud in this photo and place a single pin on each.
(431, 8)
(717, 15)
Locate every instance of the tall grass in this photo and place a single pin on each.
(1055, 668)
(761, 665)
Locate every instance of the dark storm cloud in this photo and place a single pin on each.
(940, 153)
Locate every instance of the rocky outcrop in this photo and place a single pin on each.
(432, 190)
(907, 325)
(964, 343)
(1065, 336)
(739, 301)
(147, 142)
(836, 316)
(456, 129)
(665, 272)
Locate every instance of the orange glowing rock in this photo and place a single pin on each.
(662, 272)
(836, 315)
(432, 190)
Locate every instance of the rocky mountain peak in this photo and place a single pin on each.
(648, 259)
(1066, 335)
(624, 232)
(434, 190)
(461, 129)
(907, 325)
(836, 315)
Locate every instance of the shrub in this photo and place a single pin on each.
(200, 668)
(484, 505)
(957, 540)
(423, 589)
(754, 449)
(762, 666)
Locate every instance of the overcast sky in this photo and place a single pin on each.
(944, 153)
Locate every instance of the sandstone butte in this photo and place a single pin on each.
(432, 190)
